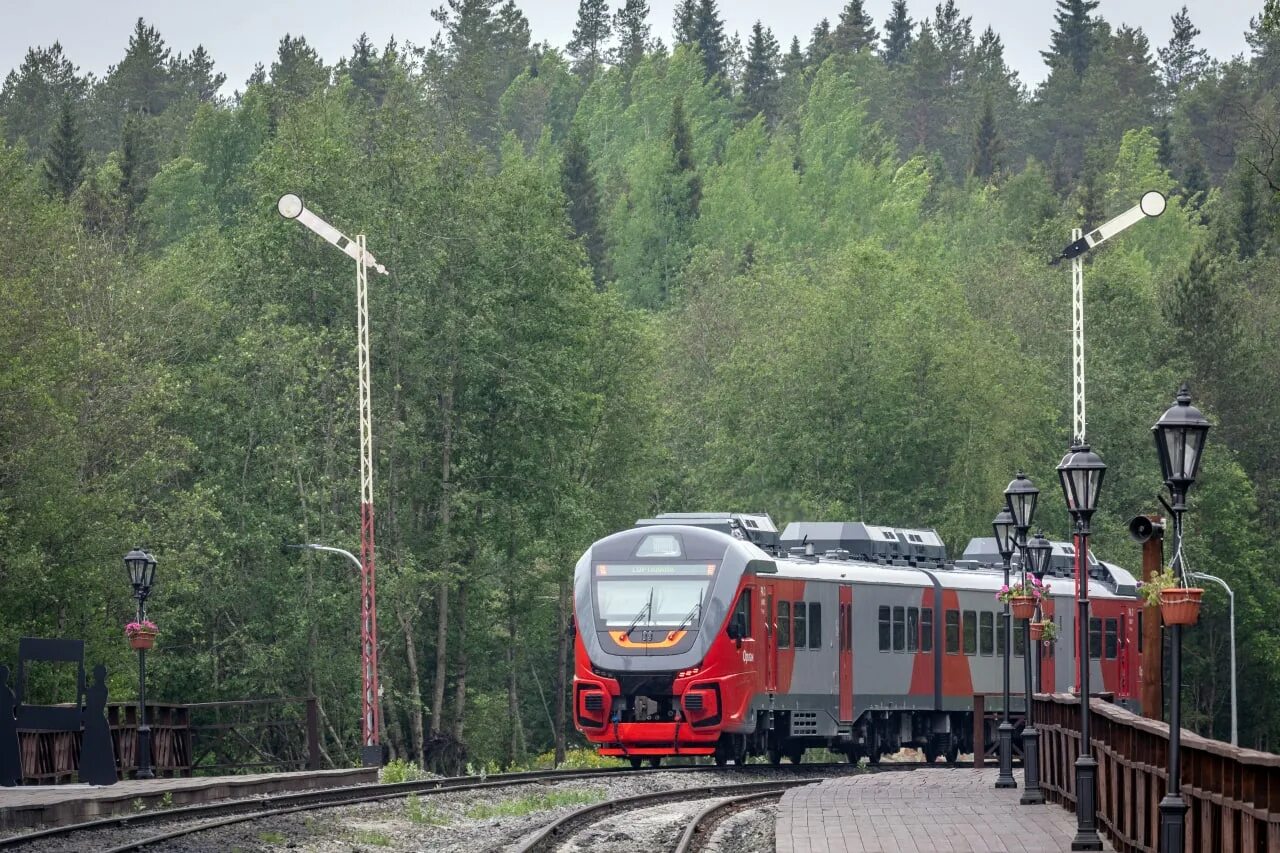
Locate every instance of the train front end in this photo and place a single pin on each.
(655, 670)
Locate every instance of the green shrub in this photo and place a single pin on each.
(400, 770)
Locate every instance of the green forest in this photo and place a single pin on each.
(663, 267)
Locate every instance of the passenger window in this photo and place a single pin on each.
(799, 621)
(926, 629)
(899, 629)
(1110, 642)
(953, 632)
(1095, 639)
(970, 632)
(884, 629)
(913, 628)
(986, 633)
(815, 625)
(784, 624)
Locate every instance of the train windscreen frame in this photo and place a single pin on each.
(649, 594)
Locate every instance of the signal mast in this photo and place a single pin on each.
(291, 207)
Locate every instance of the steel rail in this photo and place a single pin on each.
(695, 832)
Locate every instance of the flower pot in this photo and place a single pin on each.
(1046, 607)
(142, 640)
(1023, 606)
(1037, 631)
(1180, 605)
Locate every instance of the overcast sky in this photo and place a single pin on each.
(239, 33)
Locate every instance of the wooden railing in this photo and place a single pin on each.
(1233, 794)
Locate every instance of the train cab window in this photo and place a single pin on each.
(884, 629)
(742, 613)
(1019, 642)
(953, 632)
(926, 629)
(815, 625)
(800, 621)
(913, 629)
(999, 635)
(784, 624)
(986, 633)
(970, 632)
(1095, 639)
(899, 628)
(1110, 642)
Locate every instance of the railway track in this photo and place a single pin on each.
(561, 829)
(201, 818)
(698, 830)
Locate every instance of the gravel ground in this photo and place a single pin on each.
(458, 822)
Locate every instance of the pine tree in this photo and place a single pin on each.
(194, 76)
(631, 23)
(708, 32)
(897, 34)
(33, 94)
(855, 30)
(987, 145)
(820, 46)
(579, 185)
(137, 165)
(1181, 61)
(366, 72)
(1201, 308)
(760, 79)
(64, 161)
(590, 34)
(297, 72)
(1247, 224)
(682, 25)
(954, 36)
(142, 84)
(1072, 43)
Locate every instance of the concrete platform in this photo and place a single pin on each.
(57, 805)
(925, 810)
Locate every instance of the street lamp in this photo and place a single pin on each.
(1081, 472)
(1039, 552)
(142, 574)
(1003, 527)
(1179, 435)
(1021, 497)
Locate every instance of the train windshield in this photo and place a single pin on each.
(638, 595)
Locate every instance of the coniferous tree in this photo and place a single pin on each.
(954, 36)
(1247, 225)
(590, 35)
(64, 161)
(365, 70)
(760, 78)
(631, 23)
(579, 184)
(33, 94)
(193, 76)
(682, 25)
(1181, 61)
(1072, 43)
(855, 30)
(708, 32)
(897, 34)
(820, 46)
(987, 145)
(297, 72)
(136, 165)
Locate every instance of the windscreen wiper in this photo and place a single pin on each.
(644, 611)
(697, 609)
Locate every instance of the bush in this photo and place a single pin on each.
(399, 770)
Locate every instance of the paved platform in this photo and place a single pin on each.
(56, 805)
(925, 810)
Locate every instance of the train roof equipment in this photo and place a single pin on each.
(874, 543)
(755, 527)
(1062, 564)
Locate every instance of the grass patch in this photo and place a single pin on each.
(377, 839)
(429, 816)
(535, 803)
(271, 837)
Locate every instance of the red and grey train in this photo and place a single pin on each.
(711, 634)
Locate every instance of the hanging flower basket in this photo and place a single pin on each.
(1180, 605)
(1022, 606)
(1037, 631)
(142, 635)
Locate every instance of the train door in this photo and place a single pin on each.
(844, 643)
(770, 640)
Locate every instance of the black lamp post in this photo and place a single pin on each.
(1081, 473)
(1021, 497)
(1003, 527)
(1038, 550)
(142, 574)
(1180, 434)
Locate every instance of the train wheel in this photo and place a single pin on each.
(795, 754)
(953, 753)
(873, 758)
(775, 755)
(721, 759)
(930, 754)
(636, 762)
(854, 754)
(655, 762)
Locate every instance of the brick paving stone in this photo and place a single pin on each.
(929, 810)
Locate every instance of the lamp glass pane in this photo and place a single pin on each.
(1191, 458)
(1174, 442)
